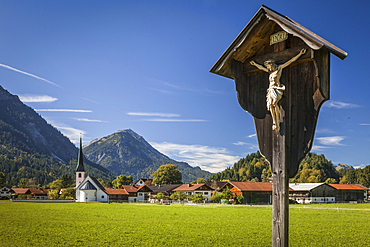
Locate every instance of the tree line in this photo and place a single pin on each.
(313, 168)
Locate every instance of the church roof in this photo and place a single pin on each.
(97, 183)
(80, 163)
(88, 186)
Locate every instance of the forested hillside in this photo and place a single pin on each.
(313, 169)
(31, 148)
(251, 168)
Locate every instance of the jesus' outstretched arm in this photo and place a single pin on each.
(303, 51)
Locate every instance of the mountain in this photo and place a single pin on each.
(33, 149)
(343, 166)
(125, 152)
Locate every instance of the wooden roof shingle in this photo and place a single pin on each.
(247, 43)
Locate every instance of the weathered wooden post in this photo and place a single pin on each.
(282, 75)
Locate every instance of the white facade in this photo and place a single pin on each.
(139, 198)
(5, 192)
(140, 182)
(90, 190)
(205, 193)
(315, 200)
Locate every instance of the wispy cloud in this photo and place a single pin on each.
(175, 86)
(62, 110)
(317, 148)
(239, 143)
(253, 135)
(72, 133)
(36, 98)
(169, 88)
(29, 74)
(365, 124)
(331, 140)
(152, 114)
(162, 91)
(173, 120)
(89, 120)
(324, 131)
(162, 117)
(213, 159)
(90, 100)
(340, 105)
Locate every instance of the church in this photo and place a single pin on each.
(88, 189)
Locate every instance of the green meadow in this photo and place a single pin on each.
(102, 224)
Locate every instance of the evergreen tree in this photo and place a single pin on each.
(2, 180)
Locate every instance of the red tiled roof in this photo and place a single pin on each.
(190, 187)
(20, 190)
(252, 186)
(347, 187)
(130, 188)
(135, 188)
(116, 191)
(38, 191)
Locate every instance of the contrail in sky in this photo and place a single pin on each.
(35, 76)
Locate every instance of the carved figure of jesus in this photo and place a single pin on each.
(275, 90)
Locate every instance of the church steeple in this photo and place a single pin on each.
(80, 162)
(80, 169)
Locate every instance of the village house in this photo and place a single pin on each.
(30, 192)
(253, 192)
(312, 192)
(21, 191)
(142, 181)
(349, 192)
(366, 191)
(166, 189)
(137, 193)
(215, 185)
(190, 189)
(39, 193)
(117, 195)
(6, 193)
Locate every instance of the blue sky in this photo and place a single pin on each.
(96, 67)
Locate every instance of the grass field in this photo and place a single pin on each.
(100, 224)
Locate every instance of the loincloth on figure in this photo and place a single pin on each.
(274, 94)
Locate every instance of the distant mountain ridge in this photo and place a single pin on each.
(343, 166)
(33, 149)
(126, 152)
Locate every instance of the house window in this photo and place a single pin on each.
(140, 194)
(206, 193)
(79, 175)
(102, 196)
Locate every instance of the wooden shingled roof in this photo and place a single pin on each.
(256, 35)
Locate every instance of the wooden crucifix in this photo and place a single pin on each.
(282, 76)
